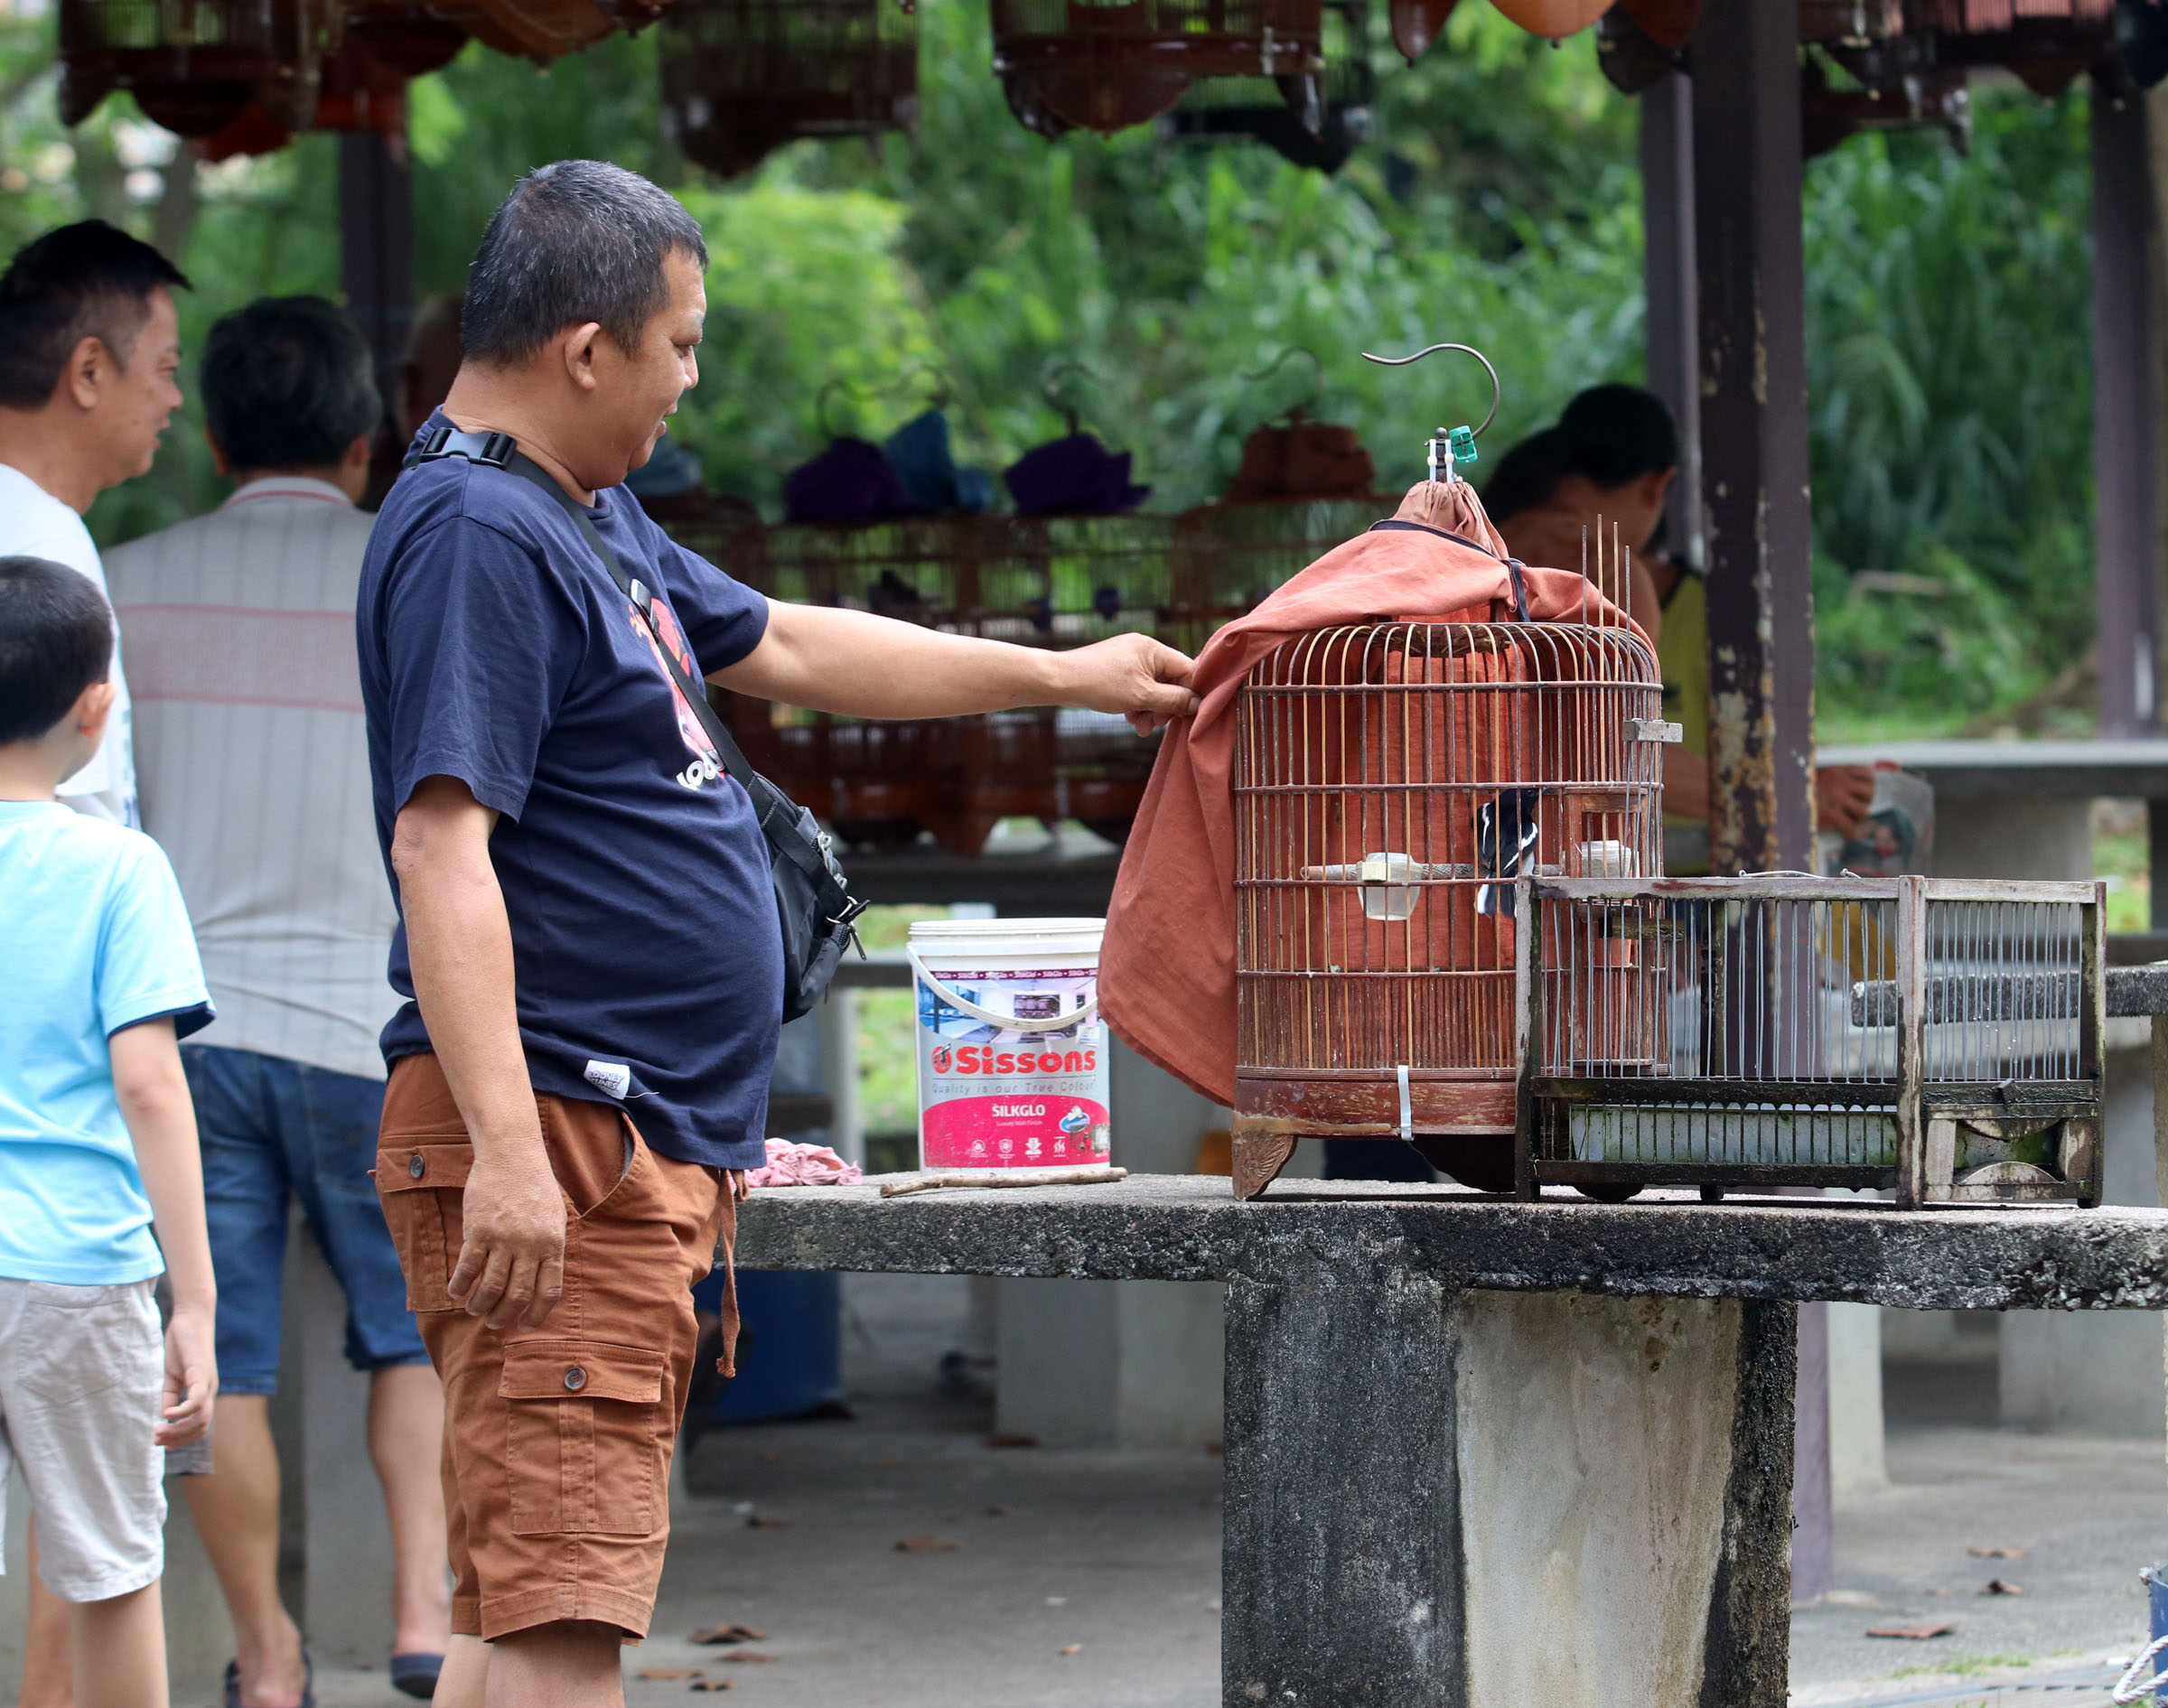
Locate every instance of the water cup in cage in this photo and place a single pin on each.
(1386, 888)
(1605, 859)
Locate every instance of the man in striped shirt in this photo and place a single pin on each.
(254, 772)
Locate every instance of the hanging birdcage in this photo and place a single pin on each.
(1393, 782)
(357, 92)
(1093, 65)
(741, 77)
(413, 40)
(1316, 120)
(194, 65)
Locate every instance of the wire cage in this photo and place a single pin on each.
(1105, 65)
(194, 65)
(1936, 1037)
(1392, 782)
(741, 77)
(1315, 120)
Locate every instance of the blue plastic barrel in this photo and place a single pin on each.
(789, 1344)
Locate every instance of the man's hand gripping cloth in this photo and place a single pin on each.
(1167, 968)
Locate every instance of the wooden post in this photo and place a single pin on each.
(1752, 320)
(376, 266)
(1750, 251)
(2123, 433)
(1668, 286)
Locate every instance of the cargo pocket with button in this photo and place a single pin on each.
(423, 1187)
(584, 1437)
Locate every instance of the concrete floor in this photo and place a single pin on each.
(1093, 1578)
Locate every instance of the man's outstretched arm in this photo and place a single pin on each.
(859, 664)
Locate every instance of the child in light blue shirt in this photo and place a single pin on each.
(100, 1182)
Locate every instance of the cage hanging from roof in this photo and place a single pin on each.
(741, 77)
(1315, 120)
(412, 40)
(357, 92)
(1096, 65)
(194, 65)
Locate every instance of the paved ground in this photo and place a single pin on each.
(1081, 1578)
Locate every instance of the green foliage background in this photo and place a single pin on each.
(1498, 205)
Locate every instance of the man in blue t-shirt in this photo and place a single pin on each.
(589, 938)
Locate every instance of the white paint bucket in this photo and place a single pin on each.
(1011, 1052)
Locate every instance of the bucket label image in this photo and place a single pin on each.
(994, 1095)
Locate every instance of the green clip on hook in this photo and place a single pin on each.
(1462, 441)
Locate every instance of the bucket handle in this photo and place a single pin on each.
(1007, 1022)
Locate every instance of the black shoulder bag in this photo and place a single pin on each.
(812, 898)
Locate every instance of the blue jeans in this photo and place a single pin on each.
(269, 1127)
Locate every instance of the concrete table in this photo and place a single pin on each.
(1482, 1454)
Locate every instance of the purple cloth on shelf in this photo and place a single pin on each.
(1075, 476)
(850, 482)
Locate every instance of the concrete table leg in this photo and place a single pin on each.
(1485, 1500)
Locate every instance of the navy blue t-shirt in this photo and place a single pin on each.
(496, 649)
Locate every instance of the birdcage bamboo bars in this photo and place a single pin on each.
(1391, 782)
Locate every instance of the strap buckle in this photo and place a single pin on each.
(495, 450)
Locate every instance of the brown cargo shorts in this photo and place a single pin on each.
(557, 1439)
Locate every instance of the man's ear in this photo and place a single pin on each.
(90, 365)
(219, 462)
(578, 345)
(1655, 486)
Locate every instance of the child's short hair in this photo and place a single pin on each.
(56, 639)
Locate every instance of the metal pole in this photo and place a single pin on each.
(1667, 280)
(2123, 431)
(1751, 265)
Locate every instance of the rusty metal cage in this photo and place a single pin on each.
(1936, 1037)
(194, 65)
(1105, 65)
(1392, 782)
(741, 77)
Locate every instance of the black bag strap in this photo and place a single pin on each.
(1394, 525)
(500, 451)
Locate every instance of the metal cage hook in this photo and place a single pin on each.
(1317, 376)
(902, 387)
(1450, 445)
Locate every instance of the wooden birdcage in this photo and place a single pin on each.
(1105, 65)
(194, 65)
(1937, 1039)
(741, 77)
(413, 40)
(358, 92)
(1393, 782)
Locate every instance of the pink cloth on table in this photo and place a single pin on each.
(791, 1165)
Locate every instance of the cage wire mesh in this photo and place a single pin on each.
(1760, 1023)
(742, 77)
(1105, 65)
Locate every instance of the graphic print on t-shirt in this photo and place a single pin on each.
(660, 630)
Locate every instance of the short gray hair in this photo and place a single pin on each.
(577, 241)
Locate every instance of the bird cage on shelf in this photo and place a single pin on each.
(741, 77)
(1053, 581)
(194, 65)
(1105, 65)
(1393, 782)
(1316, 121)
(1939, 1038)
